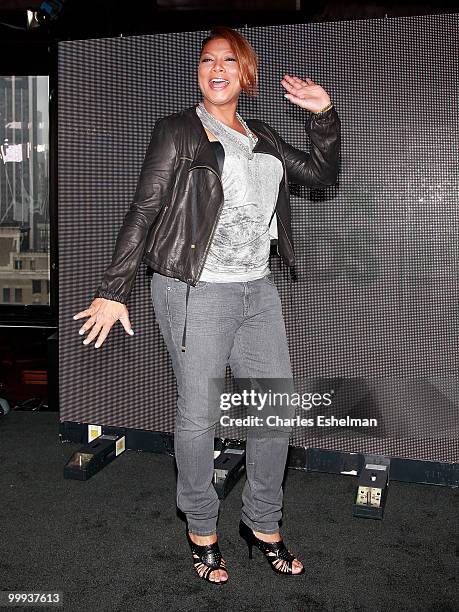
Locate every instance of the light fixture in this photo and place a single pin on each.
(48, 11)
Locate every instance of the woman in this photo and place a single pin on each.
(211, 191)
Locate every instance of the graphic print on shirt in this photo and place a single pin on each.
(241, 241)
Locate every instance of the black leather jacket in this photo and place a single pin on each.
(179, 196)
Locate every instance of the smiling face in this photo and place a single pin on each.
(218, 74)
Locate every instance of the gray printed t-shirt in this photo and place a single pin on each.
(241, 243)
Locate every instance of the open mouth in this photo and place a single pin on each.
(218, 83)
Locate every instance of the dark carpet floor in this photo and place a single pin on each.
(116, 542)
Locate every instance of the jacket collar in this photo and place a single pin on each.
(204, 154)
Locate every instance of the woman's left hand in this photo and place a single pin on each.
(305, 94)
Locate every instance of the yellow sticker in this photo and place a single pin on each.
(120, 446)
(94, 431)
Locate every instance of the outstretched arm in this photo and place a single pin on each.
(154, 183)
(320, 167)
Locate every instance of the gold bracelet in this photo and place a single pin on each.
(324, 110)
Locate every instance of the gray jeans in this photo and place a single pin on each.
(239, 323)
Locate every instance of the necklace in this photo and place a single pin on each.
(220, 129)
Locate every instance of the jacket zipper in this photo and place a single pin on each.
(216, 221)
(286, 235)
(156, 226)
(157, 223)
(275, 213)
(274, 143)
(277, 241)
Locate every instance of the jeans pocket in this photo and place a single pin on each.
(180, 286)
(200, 285)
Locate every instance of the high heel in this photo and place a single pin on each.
(208, 556)
(273, 551)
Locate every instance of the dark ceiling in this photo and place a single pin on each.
(104, 18)
(91, 17)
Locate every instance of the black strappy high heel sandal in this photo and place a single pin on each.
(209, 557)
(273, 551)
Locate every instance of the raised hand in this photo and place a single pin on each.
(305, 94)
(103, 314)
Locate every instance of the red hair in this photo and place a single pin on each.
(245, 55)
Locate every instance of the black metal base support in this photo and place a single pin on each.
(307, 459)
